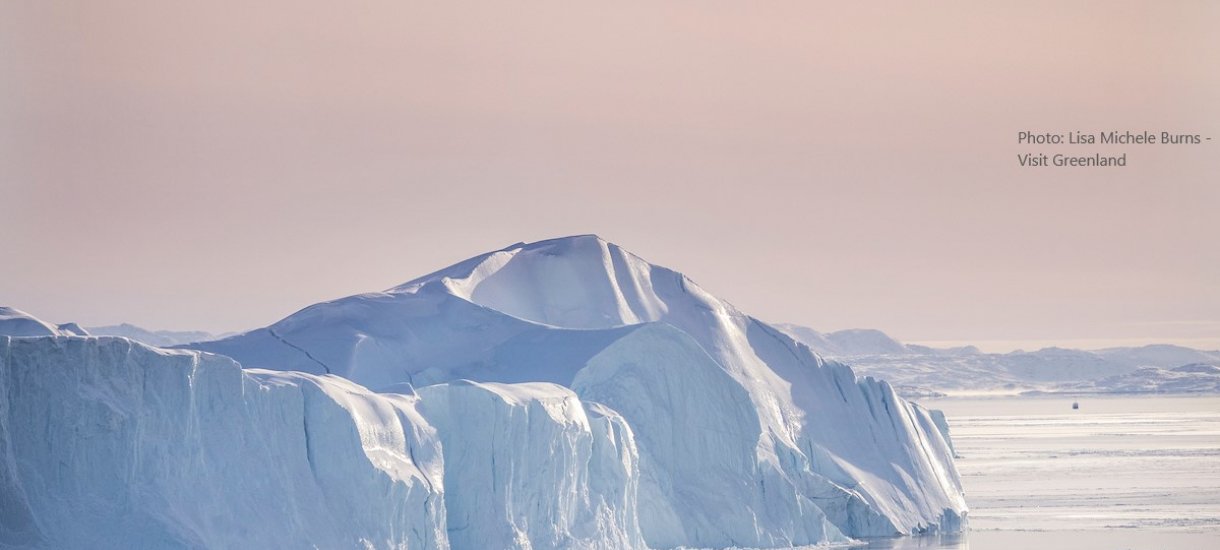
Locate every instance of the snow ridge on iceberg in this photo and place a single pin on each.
(809, 453)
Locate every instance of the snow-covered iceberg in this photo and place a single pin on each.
(571, 395)
(745, 437)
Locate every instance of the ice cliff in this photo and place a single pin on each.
(107, 443)
(531, 466)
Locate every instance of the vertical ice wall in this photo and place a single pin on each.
(531, 466)
(106, 443)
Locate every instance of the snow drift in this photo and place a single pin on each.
(745, 437)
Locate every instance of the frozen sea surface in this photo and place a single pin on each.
(1122, 472)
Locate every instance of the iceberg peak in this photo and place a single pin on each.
(581, 282)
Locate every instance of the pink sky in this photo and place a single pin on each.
(218, 166)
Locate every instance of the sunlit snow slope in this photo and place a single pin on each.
(745, 438)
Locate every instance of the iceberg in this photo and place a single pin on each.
(758, 442)
(559, 394)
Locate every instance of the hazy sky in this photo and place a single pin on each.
(218, 165)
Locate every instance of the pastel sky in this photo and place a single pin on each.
(218, 165)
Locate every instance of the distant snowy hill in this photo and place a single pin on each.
(845, 343)
(1193, 378)
(1159, 355)
(160, 338)
(745, 437)
(14, 322)
(919, 370)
